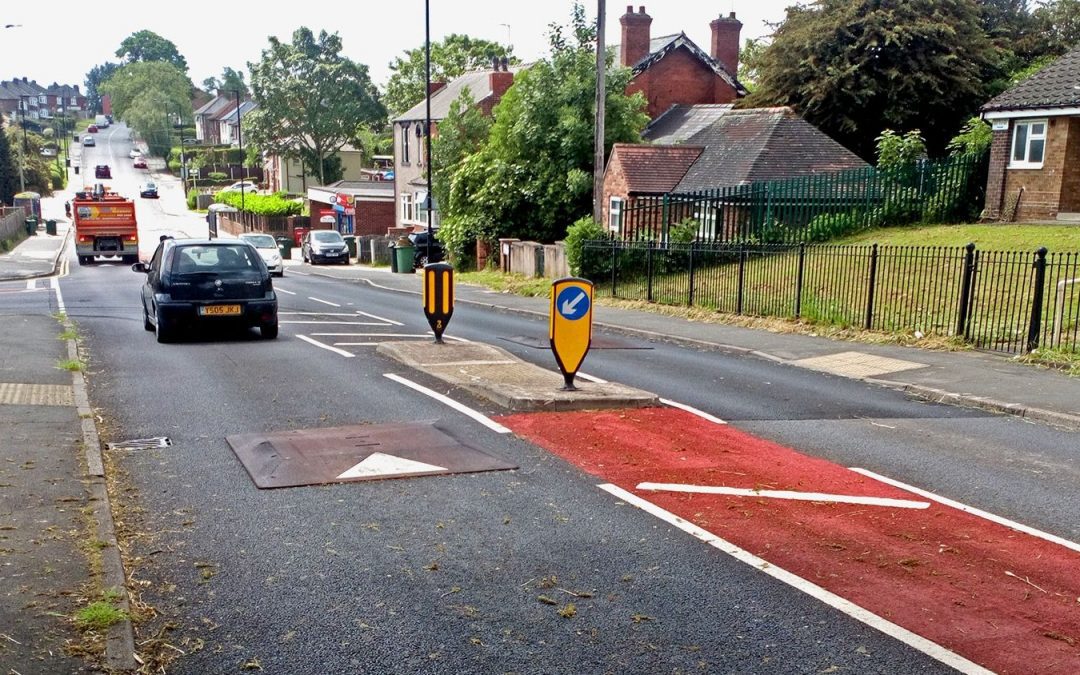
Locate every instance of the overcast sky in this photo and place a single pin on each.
(61, 40)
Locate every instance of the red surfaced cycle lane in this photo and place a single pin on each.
(1006, 600)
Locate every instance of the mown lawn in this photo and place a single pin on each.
(1006, 236)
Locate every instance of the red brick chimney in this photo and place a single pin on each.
(434, 87)
(635, 36)
(725, 42)
(500, 79)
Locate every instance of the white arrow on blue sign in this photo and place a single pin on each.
(572, 303)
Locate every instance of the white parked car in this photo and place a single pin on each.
(135, 152)
(241, 186)
(267, 247)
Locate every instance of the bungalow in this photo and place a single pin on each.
(1035, 153)
(708, 147)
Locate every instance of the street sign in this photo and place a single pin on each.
(438, 296)
(570, 324)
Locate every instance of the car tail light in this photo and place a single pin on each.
(85, 239)
(132, 237)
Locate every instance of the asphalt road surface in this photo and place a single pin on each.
(534, 570)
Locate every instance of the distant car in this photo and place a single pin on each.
(267, 247)
(92, 129)
(148, 190)
(139, 163)
(420, 255)
(324, 246)
(102, 171)
(241, 186)
(201, 282)
(88, 142)
(135, 152)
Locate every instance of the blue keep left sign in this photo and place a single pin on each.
(572, 303)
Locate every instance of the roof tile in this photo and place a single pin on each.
(1055, 86)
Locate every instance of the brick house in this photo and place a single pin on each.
(361, 207)
(715, 146)
(1035, 154)
(486, 87)
(672, 69)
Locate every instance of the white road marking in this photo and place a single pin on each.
(282, 290)
(784, 494)
(693, 411)
(591, 378)
(931, 649)
(356, 344)
(390, 335)
(31, 284)
(326, 347)
(303, 274)
(467, 363)
(59, 298)
(349, 314)
(463, 409)
(338, 323)
(379, 318)
(1011, 524)
(325, 302)
(382, 464)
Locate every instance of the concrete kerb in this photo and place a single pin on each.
(1063, 420)
(120, 638)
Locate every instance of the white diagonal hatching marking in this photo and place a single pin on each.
(785, 494)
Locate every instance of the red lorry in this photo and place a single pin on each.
(105, 226)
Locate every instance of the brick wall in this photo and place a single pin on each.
(615, 184)
(680, 78)
(374, 218)
(995, 179)
(1070, 180)
(1042, 187)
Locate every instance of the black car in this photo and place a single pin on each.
(420, 254)
(102, 171)
(324, 246)
(192, 282)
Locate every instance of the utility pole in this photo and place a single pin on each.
(240, 142)
(22, 159)
(427, 122)
(601, 97)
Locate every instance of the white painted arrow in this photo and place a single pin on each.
(569, 305)
(382, 464)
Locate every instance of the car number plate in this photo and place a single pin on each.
(220, 310)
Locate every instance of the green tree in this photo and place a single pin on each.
(749, 58)
(146, 45)
(974, 139)
(1058, 25)
(896, 150)
(94, 79)
(26, 149)
(9, 171)
(856, 67)
(148, 96)
(450, 57)
(230, 80)
(533, 177)
(311, 98)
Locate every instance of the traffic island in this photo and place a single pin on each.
(498, 376)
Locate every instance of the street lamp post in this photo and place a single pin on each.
(240, 142)
(427, 121)
(22, 159)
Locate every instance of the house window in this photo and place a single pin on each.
(43, 99)
(615, 206)
(74, 101)
(421, 207)
(404, 143)
(406, 207)
(1029, 144)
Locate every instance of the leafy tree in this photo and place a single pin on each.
(26, 149)
(311, 99)
(147, 95)
(9, 171)
(94, 79)
(454, 55)
(463, 132)
(749, 57)
(146, 45)
(230, 80)
(896, 150)
(974, 139)
(1058, 25)
(856, 67)
(533, 177)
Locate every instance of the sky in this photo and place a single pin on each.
(62, 40)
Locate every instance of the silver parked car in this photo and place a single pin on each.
(324, 246)
(268, 250)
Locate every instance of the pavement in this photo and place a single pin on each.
(50, 465)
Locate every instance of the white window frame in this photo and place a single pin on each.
(405, 129)
(615, 214)
(407, 213)
(1028, 124)
(43, 99)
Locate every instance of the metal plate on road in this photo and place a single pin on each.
(356, 453)
(597, 342)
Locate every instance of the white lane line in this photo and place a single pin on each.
(931, 649)
(379, 318)
(784, 494)
(591, 378)
(59, 298)
(389, 335)
(356, 344)
(303, 274)
(282, 290)
(350, 314)
(463, 409)
(31, 284)
(326, 347)
(693, 411)
(325, 302)
(1011, 524)
(338, 323)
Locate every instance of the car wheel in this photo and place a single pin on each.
(162, 333)
(269, 331)
(85, 259)
(345, 261)
(146, 319)
(421, 261)
(280, 274)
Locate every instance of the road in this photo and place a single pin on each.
(529, 570)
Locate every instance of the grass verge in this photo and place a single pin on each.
(99, 615)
